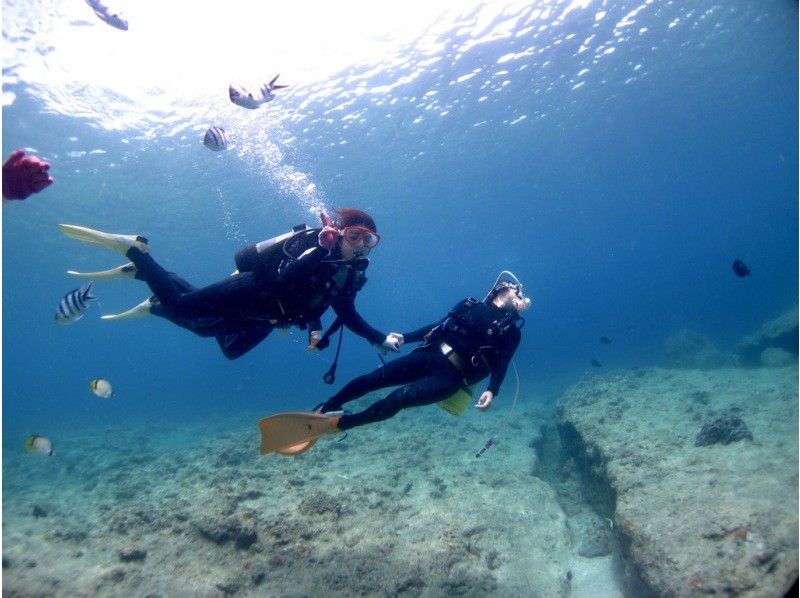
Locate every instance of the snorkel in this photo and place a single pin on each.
(329, 233)
(520, 301)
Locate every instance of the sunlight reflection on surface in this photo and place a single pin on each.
(354, 69)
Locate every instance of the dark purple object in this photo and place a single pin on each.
(741, 269)
(724, 430)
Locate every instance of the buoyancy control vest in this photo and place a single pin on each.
(302, 302)
(474, 330)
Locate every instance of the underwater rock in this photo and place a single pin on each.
(591, 534)
(114, 576)
(320, 503)
(724, 430)
(691, 522)
(39, 511)
(772, 357)
(231, 529)
(258, 576)
(132, 553)
(229, 586)
(687, 349)
(780, 333)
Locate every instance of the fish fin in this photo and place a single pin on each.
(275, 78)
(86, 291)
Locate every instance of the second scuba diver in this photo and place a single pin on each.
(289, 280)
(475, 340)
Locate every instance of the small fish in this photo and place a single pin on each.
(102, 388)
(241, 97)
(596, 363)
(74, 304)
(740, 269)
(105, 14)
(605, 340)
(39, 445)
(216, 139)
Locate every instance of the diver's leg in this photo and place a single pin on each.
(161, 283)
(430, 389)
(238, 296)
(235, 345)
(398, 371)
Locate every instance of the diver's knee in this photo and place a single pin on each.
(230, 351)
(232, 354)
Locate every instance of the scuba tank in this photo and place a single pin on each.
(267, 255)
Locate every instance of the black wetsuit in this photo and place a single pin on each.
(288, 282)
(483, 339)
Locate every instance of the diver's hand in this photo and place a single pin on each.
(391, 343)
(398, 337)
(313, 340)
(24, 175)
(485, 400)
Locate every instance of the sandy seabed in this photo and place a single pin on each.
(404, 508)
(401, 508)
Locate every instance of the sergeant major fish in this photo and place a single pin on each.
(74, 304)
(216, 139)
(241, 97)
(107, 15)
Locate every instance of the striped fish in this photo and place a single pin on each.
(74, 304)
(216, 139)
(108, 15)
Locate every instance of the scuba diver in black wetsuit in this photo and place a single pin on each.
(289, 280)
(476, 339)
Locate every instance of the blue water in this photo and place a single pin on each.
(617, 158)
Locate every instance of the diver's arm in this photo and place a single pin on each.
(346, 310)
(418, 335)
(500, 367)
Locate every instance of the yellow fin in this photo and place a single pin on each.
(458, 402)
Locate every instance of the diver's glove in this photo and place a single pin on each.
(24, 175)
(315, 340)
(392, 342)
(485, 400)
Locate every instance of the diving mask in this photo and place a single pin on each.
(519, 301)
(360, 234)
